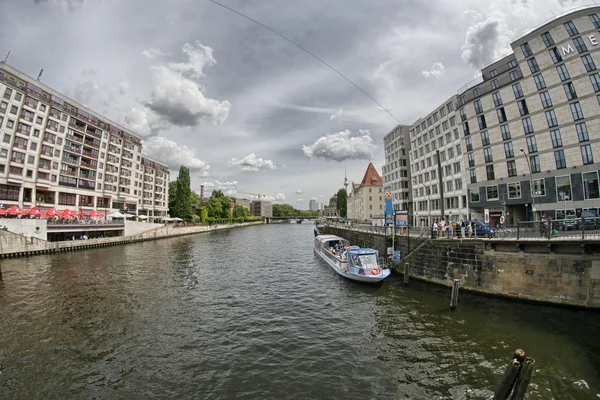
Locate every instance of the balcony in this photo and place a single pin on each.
(47, 166)
(90, 154)
(76, 124)
(19, 145)
(87, 185)
(73, 149)
(43, 175)
(47, 153)
(89, 177)
(68, 172)
(74, 138)
(31, 103)
(26, 117)
(18, 160)
(72, 161)
(23, 131)
(92, 143)
(49, 139)
(88, 165)
(55, 113)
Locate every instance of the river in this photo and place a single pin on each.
(252, 313)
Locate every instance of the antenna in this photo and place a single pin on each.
(8, 54)
(40, 75)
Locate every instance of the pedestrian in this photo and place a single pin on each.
(462, 228)
(434, 230)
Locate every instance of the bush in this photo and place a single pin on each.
(210, 220)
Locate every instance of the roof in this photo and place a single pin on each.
(372, 177)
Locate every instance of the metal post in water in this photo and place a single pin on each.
(406, 270)
(454, 296)
(516, 378)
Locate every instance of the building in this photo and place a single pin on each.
(530, 124)
(312, 205)
(437, 134)
(366, 198)
(242, 202)
(262, 208)
(57, 153)
(396, 171)
(331, 209)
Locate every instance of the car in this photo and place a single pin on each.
(570, 223)
(589, 220)
(483, 230)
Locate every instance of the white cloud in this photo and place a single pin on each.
(251, 163)
(300, 201)
(299, 191)
(198, 57)
(152, 53)
(123, 87)
(218, 184)
(279, 197)
(144, 123)
(337, 115)
(313, 198)
(174, 155)
(342, 146)
(485, 41)
(437, 71)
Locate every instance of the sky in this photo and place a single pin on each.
(247, 111)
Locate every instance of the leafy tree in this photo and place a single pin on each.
(240, 211)
(284, 210)
(214, 207)
(182, 206)
(342, 203)
(172, 197)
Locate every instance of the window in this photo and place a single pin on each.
(505, 132)
(511, 167)
(590, 185)
(517, 90)
(450, 186)
(563, 188)
(595, 78)
(595, 20)
(539, 187)
(551, 119)
(563, 73)
(14, 110)
(508, 150)
(576, 111)
(501, 115)
(534, 161)
(474, 195)
(3, 153)
(522, 105)
(586, 154)
(511, 64)
(559, 157)
(497, 99)
(494, 84)
(468, 143)
(456, 167)
(485, 138)
(547, 38)
(471, 158)
(555, 55)
(527, 125)
(588, 63)
(556, 139)
(531, 144)
(533, 65)
(476, 92)
(540, 83)
(571, 29)
(477, 105)
(526, 50)
(493, 73)
(481, 122)
(466, 130)
(473, 175)
(570, 91)
(487, 155)
(492, 192)
(514, 75)
(546, 100)
(514, 190)
(463, 114)
(580, 45)
(458, 149)
(6, 138)
(582, 132)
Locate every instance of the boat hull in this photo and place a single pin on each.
(340, 267)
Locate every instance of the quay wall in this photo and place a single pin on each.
(559, 274)
(16, 245)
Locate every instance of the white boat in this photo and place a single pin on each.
(351, 262)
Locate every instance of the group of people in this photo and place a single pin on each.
(337, 249)
(449, 229)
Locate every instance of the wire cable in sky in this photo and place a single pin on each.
(308, 52)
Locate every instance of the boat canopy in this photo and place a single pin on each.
(332, 239)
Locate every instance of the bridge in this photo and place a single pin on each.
(298, 219)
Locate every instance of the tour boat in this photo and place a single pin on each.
(351, 262)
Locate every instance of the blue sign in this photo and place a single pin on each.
(396, 257)
(389, 209)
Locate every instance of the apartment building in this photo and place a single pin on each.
(57, 153)
(396, 171)
(434, 135)
(366, 197)
(531, 124)
(261, 208)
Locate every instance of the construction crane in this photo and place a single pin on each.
(258, 195)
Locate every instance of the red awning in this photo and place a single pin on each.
(51, 212)
(94, 213)
(15, 210)
(68, 213)
(34, 211)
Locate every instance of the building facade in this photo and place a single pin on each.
(396, 171)
(261, 208)
(312, 205)
(437, 186)
(366, 198)
(531, 125)
(57, 153)
(331, 209)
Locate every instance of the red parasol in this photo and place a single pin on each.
(15, 210)
(94, 213)
(51, 212)
(66, 213)
(34, 211)
(2, 211)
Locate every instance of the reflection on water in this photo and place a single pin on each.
(253, 313)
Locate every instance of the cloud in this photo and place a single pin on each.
(437, 71)
(279, 197)
(178, 99)
(337, 115)
(300, 201)
(251, 163)
(299, 191)
(485, 41)
(313, 198)
(174, 155)
(123, 87)
(218, 184)
(144, 123)
(71, 5)
(152, 53)
(342, 146)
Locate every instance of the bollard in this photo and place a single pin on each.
(454, 296)
(406, 270)
(523, 379)
(516, 376)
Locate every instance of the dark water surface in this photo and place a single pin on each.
(252, 313)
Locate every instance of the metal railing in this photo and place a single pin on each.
(570, 228)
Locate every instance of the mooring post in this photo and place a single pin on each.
(454, 296)
(406, 270)
(516, 378)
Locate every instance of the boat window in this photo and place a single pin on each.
(365, 260)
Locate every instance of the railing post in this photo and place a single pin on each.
(518, 229)
(582, 228)
(549, 227)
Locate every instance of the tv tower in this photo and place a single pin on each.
(345, 178)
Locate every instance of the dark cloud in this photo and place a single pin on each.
(71, 5)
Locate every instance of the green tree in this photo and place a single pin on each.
(214, 207)
(240, 211)
(172, 197)
(203, 214)
(342, 203)
(182, 206)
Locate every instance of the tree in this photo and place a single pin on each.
(182, 206)
(203, 214)
(172, 197)
(284, 210)
(342, 203)
(240, 211)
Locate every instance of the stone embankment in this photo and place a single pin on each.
(15, 245)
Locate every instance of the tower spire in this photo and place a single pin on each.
(345, 178)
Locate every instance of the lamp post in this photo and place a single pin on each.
(530, 183)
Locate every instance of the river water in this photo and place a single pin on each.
(252, 313)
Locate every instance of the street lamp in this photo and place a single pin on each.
(530, 182)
